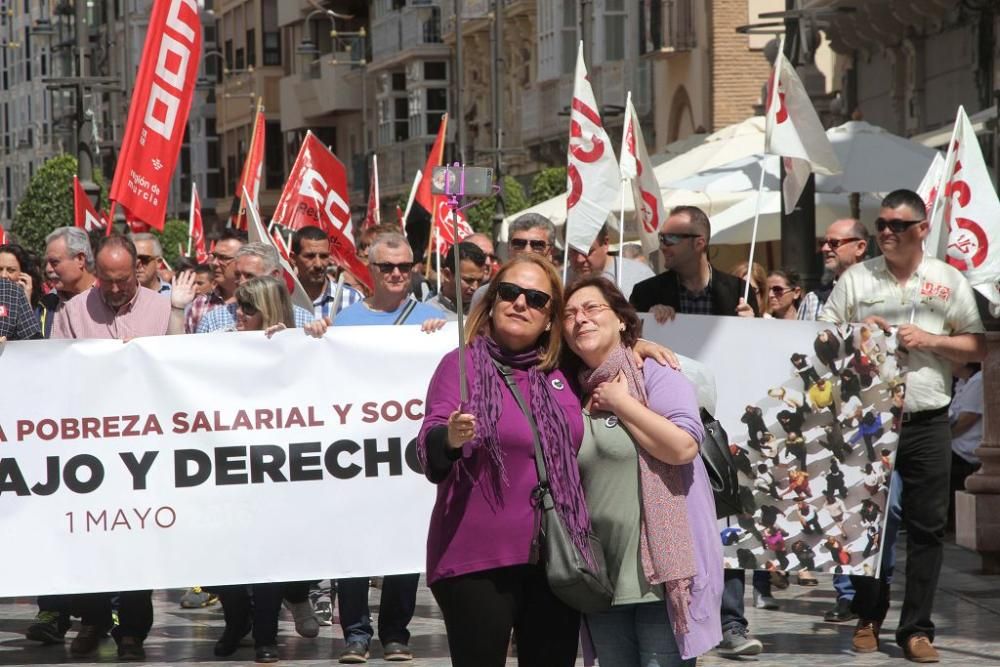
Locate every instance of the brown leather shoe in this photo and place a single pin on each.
(866, 636)
(919, 649)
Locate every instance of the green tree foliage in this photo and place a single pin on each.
(174, 232)
(48, 202)
(547, 184)
(481, 215)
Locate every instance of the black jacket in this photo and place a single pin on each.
(665, 289)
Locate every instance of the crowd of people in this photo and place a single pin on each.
(617, 425)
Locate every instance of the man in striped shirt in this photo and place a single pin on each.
(311, 258)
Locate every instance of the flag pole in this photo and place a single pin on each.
(463, 390)
(191, 216)
(763, 164)
(413, 195)
(621, 234)
(336, 294)
(378, 213)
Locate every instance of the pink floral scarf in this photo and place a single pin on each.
(666, 547)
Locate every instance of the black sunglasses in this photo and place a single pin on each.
(145, 259)
(248, 308)
(536, 299)
(674, 239)
(836, 243)
(536, 244)
(388, 267)
(896, 226)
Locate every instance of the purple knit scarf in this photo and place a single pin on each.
(486, 399)
(666, 547)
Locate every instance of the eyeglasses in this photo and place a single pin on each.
(222, 259)
(146, 259)
(537, 245)
(780, 291)
(490, 258)
(248, 308)
(836, 243)
(389, 267)
(896, 226)
(674, 239)
(536, 299)
(589, 310)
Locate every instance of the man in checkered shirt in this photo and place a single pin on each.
(17, 320)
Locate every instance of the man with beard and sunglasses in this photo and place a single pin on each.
(933, 309)
(844, 245)
(690, 285)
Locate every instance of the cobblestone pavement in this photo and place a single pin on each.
(967, 613)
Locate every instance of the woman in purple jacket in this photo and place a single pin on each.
(481, 565)
(646, 488)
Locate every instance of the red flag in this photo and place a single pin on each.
(444, 224)
(3, 235)
(434, 159)
(135, 225)
(196, 228)
(84, 215)
(158, 110)
(250, 178)
(316, 194)
(373, 215)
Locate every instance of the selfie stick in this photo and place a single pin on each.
(463, 389)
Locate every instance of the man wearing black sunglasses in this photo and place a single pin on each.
(690, 284)
(844, 245)
(934, 311)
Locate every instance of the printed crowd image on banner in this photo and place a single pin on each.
(815, 458)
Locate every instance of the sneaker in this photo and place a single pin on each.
(130, 648)
(764, 601)
(86, 640)
(47, 628)
(306, 623)
(840, 613)
(197, 597)
(865, 638)
(355, 653)
(396, 652)
(323, 609)
(736, 641)
(918, 648)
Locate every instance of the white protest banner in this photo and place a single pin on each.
(292, 458)
(800, 397)
(283, 460)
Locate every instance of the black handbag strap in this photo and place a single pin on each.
(407, 309)
(543, 478)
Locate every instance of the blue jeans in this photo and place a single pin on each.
(733, 590)
(635, 635)
(842, 582)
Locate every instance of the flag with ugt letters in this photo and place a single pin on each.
(592, 175)
(84, 215)
(316, 194)
(965, 221)
(250, 178)
(158, 111)
(793, 131)
(636, 166)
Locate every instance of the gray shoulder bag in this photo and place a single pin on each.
(572, 579)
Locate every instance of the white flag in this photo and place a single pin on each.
(592, 171)
(636, 166)
(965, 213)
(256, 233)
(929, 186)
(793, 131)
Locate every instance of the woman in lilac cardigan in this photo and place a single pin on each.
(646, 488)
